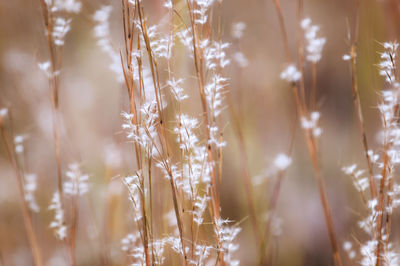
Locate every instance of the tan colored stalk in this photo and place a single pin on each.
(381, 204)
(54, 87)
(283, 29)
(74, 224)
(128, 37)
(198, 62)
(169, 63)
(357, 104)
(163, 137)
(324, 201)
(360, 120)
(200, 79)
(32, 238)
(145, 222)
(389, 197)
(274, 198)
(244, 161)
(245, 170)
(55, 60)
(313, 93)
(311, 141)
(389, 202)
(281, 174)
(313, 149)
(383, 189)
(300, 51)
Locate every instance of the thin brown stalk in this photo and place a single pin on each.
(235, 110)
(128, 37)
(198, 62)
(389, 200)
(313, 94)
(163, 138)
(274, 197)
(55, 62)
(360, 120)
(283, 29)
(151, 231)
(381, 207)
(357, 105)
(300, 50)
(313, 149)
(32, 238)
(74, 224)
(145, 222)
(199, 73)
(389, 196)
(324, 201)
(245, 170)
(299, 95)
(54, 87)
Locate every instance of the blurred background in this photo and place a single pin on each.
(91, 100)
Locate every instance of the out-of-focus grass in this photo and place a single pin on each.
(92, 101)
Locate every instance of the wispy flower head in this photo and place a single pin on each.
(132, 183)
(348, 247)
(291, 73)
(201, 10)
(77, 183)
(215, 55)
(346, 57)
(185, 131)
(226, 235)
(176, 89)
(60, 29)
(388, 64)
(29, 189)
(168, 4)
(18, 142)
(58, 223)
(161, 44)
(361, 183)
(71, 6)
(314, 44)
(3, 112)
(145, 133)
(200, 206)
(240, 59)
(282, 161)
(238, 29)
(215, 95)
(102, 33)
(311, 123)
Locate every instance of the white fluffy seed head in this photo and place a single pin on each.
(347, 245)
(291, 73)
(240, 59)
(3, 113)
(282, 161)
(77, 183)
(346, 57)
(314, 44)
(238, 29)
